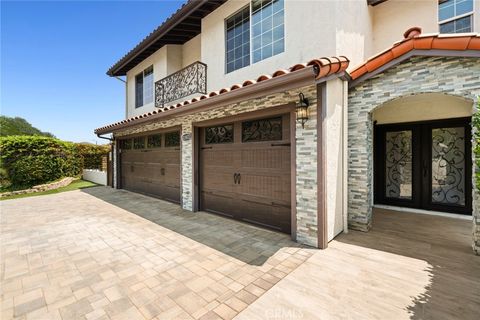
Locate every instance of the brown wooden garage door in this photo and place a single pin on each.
(151, 165)
(245, 171)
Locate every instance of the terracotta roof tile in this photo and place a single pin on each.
(415, 40)
(323, 67)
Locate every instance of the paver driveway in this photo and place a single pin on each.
(102, 253)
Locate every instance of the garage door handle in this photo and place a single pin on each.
(203, 148)
(162, 171)
(281, 144)
(237, 177)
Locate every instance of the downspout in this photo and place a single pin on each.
(345, 156)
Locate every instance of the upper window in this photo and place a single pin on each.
(455, 16)
(238, 40)
(267, 28)
(144, 87)
(262, 23)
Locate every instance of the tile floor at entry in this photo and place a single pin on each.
(100, 253)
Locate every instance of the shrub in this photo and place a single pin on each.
(92, 154)
(31, 160)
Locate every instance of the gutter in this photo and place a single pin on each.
(295, 79)
(106, 138)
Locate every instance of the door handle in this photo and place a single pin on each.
(237, 178)
(162, 171)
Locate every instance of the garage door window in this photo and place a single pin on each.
(172, 139)
(139, 143)
(154, 141)
(219, 134)
(262, 130)
(126, 144)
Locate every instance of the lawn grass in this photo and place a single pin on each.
(75, 185)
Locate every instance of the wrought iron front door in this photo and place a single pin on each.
(424, 165)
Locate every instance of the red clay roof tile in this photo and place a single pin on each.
(323, 67)
(415, 40)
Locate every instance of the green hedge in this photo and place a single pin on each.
(92, 154)
(26, 161)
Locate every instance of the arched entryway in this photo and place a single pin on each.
(422, 153)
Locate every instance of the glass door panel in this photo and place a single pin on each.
(398, 164)
(448, 166)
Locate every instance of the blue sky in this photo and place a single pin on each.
(54, 56)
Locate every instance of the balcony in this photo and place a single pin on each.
(187, 81)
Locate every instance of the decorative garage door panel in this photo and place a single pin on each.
(245, 171)
(152, 167)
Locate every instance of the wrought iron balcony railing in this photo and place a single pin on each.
(189, 80)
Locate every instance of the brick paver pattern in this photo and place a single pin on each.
(101, 253)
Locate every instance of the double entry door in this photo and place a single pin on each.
(424, 165)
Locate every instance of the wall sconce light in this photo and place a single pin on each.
(302, 110)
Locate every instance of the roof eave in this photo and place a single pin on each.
(295, 79)
(186, 10)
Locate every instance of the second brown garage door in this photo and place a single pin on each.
(151, 165)
(245, 171)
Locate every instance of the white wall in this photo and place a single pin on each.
(334, 155)
(97, 176)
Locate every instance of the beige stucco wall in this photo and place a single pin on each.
(159, 71)
(312, 29)
(428, 106)
(392, 18)
(165, 61)
(192, 51)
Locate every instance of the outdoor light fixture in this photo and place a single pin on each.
(302, 110)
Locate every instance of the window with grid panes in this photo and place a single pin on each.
(455, 16)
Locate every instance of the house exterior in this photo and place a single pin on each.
(302, 116)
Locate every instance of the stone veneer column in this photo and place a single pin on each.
(187, 166)
(114, 164)
(476, 192)
(306, 172)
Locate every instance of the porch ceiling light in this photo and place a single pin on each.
(302, 109)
